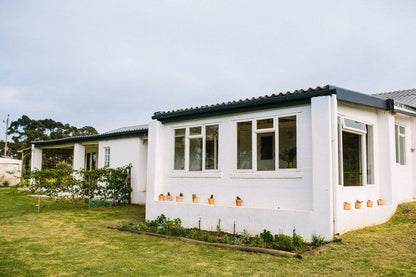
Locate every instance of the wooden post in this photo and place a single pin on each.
(38, 203)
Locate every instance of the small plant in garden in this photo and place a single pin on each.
(283, 242)
(181, 194)
(238, 201)
(226, 239)
(298, 241)
(219, 225)
(317, 240)
(6, 183)
(195, 198)
(211, 199)
(266, 236)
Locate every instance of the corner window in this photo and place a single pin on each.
(400, 137)
(201, 143)
(272, 137)
(107, 156)
(356, 153)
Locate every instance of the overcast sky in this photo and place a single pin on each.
(114, 63)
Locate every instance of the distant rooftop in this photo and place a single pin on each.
(406, 97)
(127, 129)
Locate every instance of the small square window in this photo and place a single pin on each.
(194, 131)
(265, 123)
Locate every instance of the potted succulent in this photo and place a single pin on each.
(161, 197)
(211, 200)
(169, 197)
(369, 203)
(179, 197)
(238, 201)
(380, 202)
(347, 206)
(195, 198)
(358, 204)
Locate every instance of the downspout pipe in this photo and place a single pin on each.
(334, 148)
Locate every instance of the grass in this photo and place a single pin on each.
(68, 239)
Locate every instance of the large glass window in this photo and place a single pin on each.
(265, 143)
(211, 147)
(287, 142)
(179, 149)
(202, 147)
(244, 145)
(400, 134)
(352, 159)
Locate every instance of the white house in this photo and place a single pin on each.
(115, 148)
(294, 158)
(10, 170)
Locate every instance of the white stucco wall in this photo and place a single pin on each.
(10, 171)
(124, 151)
(278, 201)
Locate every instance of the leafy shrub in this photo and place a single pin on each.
(283, 242)
(298, 241)
(317, 240)
(6, 183)
(226, 239)
(266, 236)
(219, 226)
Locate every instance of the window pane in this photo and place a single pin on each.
(370, 155)
(193, 131)
(351, 148)
(88, 160)
(402, 150)
(195, 154)
(265, 123)
(93, 160)
(179, 149)
(396, 133)
(287, 142)
(107, 156)
(402, 130)
(244, 145)
(265, 151)
(211, 147)
(355, 125)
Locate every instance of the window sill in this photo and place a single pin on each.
(280, 174)
(202, 174)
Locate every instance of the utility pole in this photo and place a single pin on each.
(5, 143)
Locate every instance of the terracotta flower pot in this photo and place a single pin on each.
(380, 202)
(195, 199)
(239, 202)
(179, 198)
(169, 197)
(369, 203)
(211, 201)
(358, 205)
(347, 206)
(161, 197)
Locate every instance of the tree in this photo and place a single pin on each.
(25, 130)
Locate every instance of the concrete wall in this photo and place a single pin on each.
(278, 201)
(10, 170)
(124, 151)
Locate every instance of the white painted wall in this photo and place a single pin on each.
(10, 170)
(278, 201)
(124, 151)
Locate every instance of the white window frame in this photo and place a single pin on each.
(342, 128)
(188, 137)
(397, 143)
(107, 156)
(256, 131)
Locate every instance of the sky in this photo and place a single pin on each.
(109, 64)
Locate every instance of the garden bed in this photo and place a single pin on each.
(277, 245)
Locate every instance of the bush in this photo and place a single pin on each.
(317, 240)
(6, 183)
(283, 242)
(226, 239)
(266, 236)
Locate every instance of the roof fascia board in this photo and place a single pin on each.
(353, 97)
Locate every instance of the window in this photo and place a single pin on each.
(244, 142)
(266, 146)
(400, 135)
(356, 153)
(202, 144)
(179, 149)
(90, 160)
(107, 156)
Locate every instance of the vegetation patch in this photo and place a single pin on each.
(173, 228)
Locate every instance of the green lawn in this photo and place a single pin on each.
(70, 239)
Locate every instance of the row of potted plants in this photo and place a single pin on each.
(370, 204)
(195, 199)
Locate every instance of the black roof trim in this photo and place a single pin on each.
(125, 134)
(297, 97)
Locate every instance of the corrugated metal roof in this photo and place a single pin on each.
(247, 100)
(406, 97)
(132, 131)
